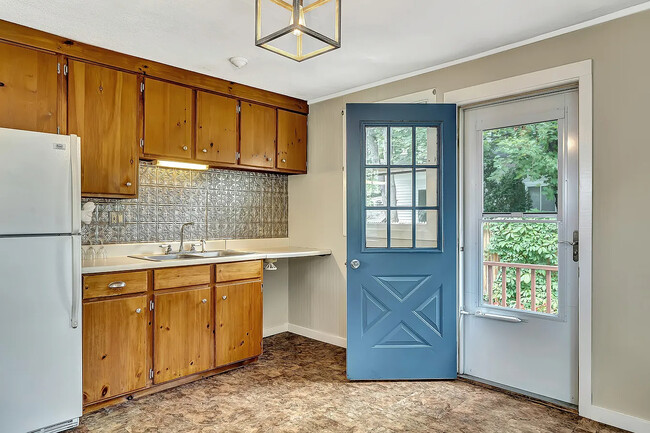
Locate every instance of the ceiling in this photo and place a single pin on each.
(380, 38)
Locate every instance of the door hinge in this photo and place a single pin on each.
(238, 108)
(58, 68)
(58, 129)
(151, 373)
(151, 305)
(142, 87)
(238, 155)
(262, 288)
(142, 143)
(65, 69)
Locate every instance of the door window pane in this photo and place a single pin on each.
(376, 187)
(376, 229)
(516, 158)
(426, 146)
(401, 228)
(401, 146)
(520, 265)
(376, 143)
(401, 187)
(426, 229)
(426, 184)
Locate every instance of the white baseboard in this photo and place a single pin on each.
(267, 332)
(616, 419)
(318, 335)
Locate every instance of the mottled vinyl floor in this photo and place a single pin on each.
(299, 385)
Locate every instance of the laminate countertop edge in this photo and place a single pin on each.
(126, 263)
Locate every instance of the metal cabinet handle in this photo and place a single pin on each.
(204, 300)
(224, 297)
(204, 150)
(184, 147)
(117, 285)
(128, 184)
(138, 310)
(354, 264)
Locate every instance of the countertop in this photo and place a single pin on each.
(126, 263)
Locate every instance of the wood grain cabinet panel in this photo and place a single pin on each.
(28, 89)
(103, 109)
(115, 347)
(235, 271)
(239, 322)
(183, 333)
(168, 112)
(258, 131)
(292, 141)
(169, 278)
(121, 283)
(217, 128)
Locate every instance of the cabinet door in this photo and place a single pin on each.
(292, 141)
(183, 333)
(167, 119)
(239, 322)
(28, 89)
(217, 129)
(103, 109)
(114, 347)
(257, 145)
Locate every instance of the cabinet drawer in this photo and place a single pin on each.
(96, 286)
(239, 271)
(170, 278)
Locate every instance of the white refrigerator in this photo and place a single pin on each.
(40, 282)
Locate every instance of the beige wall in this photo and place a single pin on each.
(621, 275)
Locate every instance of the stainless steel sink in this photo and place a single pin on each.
(191, 255)
(217, 253)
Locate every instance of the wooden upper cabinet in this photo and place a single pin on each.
(104, 110)
(28, 89)
(258, 131)
(239, 322)
(217, 128)
(168, 112)
(115, 347)
(183, 333)
(292, 141)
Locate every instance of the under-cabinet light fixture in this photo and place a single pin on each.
(184, 165)
(314, 27)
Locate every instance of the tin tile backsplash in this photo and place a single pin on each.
(222, 204)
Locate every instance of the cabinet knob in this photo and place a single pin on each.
(284, 160)
(128, 184)
(224, 297)
(139, 310)
(204, 300)
(269, 159)
(184, 147)
(204, 150)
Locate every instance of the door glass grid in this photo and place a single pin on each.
(520, 223)
(401, 206)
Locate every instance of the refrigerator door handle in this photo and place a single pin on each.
(76, 281)
(75, 169)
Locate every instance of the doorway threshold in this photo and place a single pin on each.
(516, 392)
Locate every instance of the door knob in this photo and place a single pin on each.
(128, 184)
(269, 159)
(184, 147)
(354, 264)
(204, 300)
(204, 150)
(224, 297)
(139, 310)
(284, 160)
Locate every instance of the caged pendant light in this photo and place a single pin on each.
(298, 29)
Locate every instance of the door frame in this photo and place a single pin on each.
(579, 73)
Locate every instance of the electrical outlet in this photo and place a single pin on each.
(116, 217)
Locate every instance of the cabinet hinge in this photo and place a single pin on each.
(58, 129)
(142, 143)
(65, 69)
(238, 155)
(151, 373)
(239, 108)
(262, 289)
(142, 87)
(58, 68)
(151, 305)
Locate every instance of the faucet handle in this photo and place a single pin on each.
(167, 248)
(203, 244)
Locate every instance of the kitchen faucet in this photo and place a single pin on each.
(181, 248)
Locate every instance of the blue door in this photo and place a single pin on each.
(401, 223)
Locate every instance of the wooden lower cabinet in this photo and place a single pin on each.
(183, 333)
(115, 347)
(239, 321)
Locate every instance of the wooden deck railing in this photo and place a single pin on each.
(518, 267)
